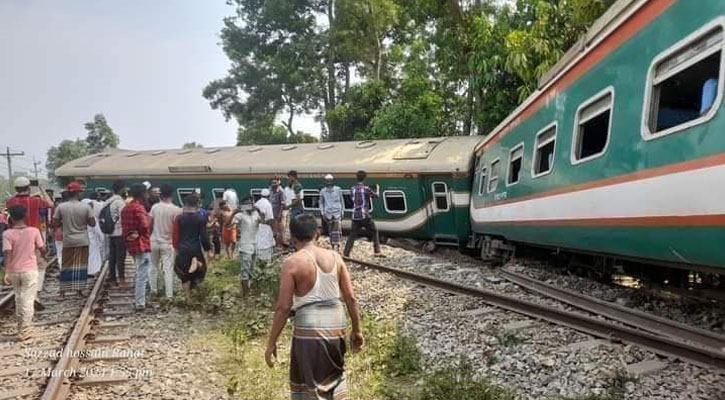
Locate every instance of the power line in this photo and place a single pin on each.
(9, 156)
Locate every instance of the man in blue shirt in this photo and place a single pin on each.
(362, 197)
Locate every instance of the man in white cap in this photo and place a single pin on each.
(265, 235)
(33, 204)
(332, 205)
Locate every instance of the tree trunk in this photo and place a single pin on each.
(469, 109)
(330, 98)
(378, 43)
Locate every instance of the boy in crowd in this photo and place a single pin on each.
(136, 228)
(20, 244)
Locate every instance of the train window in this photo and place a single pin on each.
(183, 192)
(395, 202)
(493, 179)
(685, 84)
(311, 199)
(516, 161)
(592, 126)
(482, 182)
(440, 196)
(256, 194)
(543, 160)
(347, 199)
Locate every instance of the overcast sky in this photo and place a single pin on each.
(142, 63)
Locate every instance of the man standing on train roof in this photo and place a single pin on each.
(230, 196)
(276, 197)
(116, 244)
(74, 217)
(248, 222)
(316, 285)
(20, 245)
(265, 236)
(137, 235)
(33, 205)
(362, 197)
(331, 207)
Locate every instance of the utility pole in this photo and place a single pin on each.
(8, 155)
(35, 167)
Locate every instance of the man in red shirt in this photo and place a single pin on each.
(33, 205)
(136, 231)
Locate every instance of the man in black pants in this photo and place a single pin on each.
(117, 247)
(362, 197)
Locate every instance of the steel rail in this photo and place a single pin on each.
(6, 300)
(629, 316)
(702, 356)
(59, 385)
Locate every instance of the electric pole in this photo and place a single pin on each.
(9, 156)
(35, 167)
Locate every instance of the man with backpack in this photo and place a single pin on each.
(110, 221)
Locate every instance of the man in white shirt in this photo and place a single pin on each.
(163, 214)
(247, 221)
(230, 196)
(265, 236)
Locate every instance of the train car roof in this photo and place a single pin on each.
(426, 155)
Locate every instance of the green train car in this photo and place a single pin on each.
(424, 183)
(621, 150)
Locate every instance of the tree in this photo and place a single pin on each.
(192, 145)
(100, 136)
(65, 152)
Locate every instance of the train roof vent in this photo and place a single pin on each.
(186, 151)
(158, 153)
(133, 154)
(365, 144)
(325, 146)
(417, 149)
(255, 149)
(189, 169)
(87, 162)
(212, 151)
(289, 147)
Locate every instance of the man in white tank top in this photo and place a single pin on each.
(314, 283)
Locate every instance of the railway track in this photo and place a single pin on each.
(677, 341)
(63, 352)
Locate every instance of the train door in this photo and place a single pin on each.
(441, 221)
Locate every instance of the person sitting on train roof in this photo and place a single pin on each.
(362, 197)
(331, 208)
(20, 245)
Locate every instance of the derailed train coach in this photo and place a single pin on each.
(424, 183)
(621, 150)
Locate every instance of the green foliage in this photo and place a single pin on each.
(65, 152)
(458, 383)
(100, 136)
(508, 339)
(192, 145)
(389, 68)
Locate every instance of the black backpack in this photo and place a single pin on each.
(105, 220)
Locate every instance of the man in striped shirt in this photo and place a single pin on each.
(362, 197)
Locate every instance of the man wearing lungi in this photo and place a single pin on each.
(312, 283)
(331, 208)
(74, 218)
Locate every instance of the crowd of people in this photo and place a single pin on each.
(166, 240)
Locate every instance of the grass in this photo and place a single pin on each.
(390, 367)
(616, 390)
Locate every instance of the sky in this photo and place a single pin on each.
(142, 63)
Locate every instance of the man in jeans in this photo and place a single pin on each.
(116, 245)
(136, 228)
(162, 250)
(362, 197)
(20, 243)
